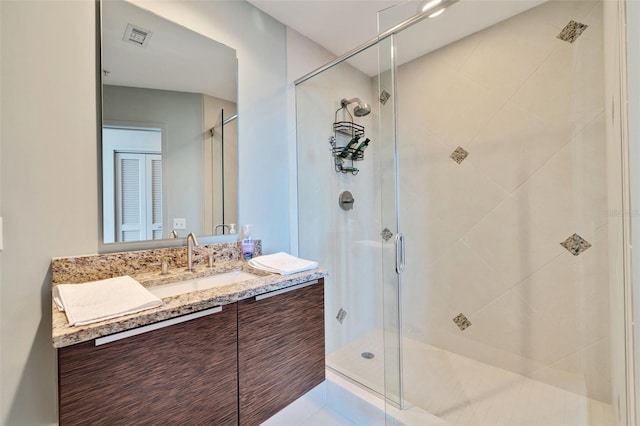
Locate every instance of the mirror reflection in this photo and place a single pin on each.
(169, 133)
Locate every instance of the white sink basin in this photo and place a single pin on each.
(218, 280)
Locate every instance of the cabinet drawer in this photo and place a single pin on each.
(182, 374)
(280, 350)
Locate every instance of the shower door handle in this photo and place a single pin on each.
(400, 253)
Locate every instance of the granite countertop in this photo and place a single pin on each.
(65, 335)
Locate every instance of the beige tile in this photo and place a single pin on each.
(595, 21)
(589, 169)
(567, 91)
(511, 325)
(596, 412)
(592, 298)
(514, 146)
(455, 111)
(588, 364)
(508, 53)
(459, 282)
(566, 195)
(562, 378)
(572, 292)
(559, 12)
(444, 199)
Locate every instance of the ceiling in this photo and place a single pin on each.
(175, 58)
(340, 25)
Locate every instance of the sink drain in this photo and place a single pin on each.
(367, 355)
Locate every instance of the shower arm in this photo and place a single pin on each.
(344, 102)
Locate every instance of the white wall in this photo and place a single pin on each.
(303, 56)
(49, 174)
(260, 42)
(49, 187)
(182, 116)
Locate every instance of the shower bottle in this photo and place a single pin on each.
(351, 145)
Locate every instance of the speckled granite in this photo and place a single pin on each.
(81, 269)
(144, 266)
(64, 335)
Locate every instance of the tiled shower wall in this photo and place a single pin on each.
(502, 159)
(344, 242)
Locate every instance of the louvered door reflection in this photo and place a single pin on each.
(138, 193)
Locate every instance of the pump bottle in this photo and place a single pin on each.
(247, 245)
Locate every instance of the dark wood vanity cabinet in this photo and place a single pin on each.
(280, 350)
(185, 373)
(238, 366)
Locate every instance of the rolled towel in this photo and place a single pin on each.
(282, 263)
(101, 300)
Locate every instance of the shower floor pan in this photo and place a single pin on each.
(464, 392)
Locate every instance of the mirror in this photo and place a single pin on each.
(169, 129)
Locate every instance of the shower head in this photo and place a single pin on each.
(360, 110)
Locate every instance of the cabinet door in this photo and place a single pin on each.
(280, 350)
(182, 374)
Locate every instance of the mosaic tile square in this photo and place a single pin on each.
(462, 322)
(386, 234)
(384, 97)
(575, 244)
(572, 31)
(341, 315)
(459, 155)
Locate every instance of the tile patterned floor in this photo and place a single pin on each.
(465, 392)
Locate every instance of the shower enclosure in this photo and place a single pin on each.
(474, 277)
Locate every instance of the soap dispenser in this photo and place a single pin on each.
(247, 245)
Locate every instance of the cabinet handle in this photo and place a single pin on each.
(285, 290)
(156, 326)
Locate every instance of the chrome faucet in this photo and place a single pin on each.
(222, 225)
(191, 241)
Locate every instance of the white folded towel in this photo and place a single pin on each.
(101, 300)
(282, 263)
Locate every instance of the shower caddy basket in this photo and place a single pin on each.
(344, 157)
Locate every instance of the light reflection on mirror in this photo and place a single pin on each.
(169, 163)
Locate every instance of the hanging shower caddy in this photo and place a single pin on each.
(350, 150)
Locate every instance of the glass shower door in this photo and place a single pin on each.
(392, 252)
(503, 312)
(345, 238)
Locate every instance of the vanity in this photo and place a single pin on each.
(233, 354)
(226, 353)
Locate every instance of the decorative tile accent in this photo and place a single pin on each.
(572, 31)
(384, 97)
(462, 322)
(575, 244)
(386, 234)
(459, 155)
(341, 315)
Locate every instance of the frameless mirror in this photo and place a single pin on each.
(169, 135)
